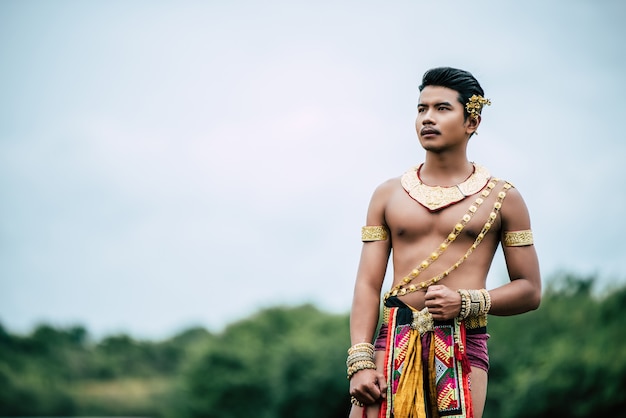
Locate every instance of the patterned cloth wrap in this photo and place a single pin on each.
(432, 353)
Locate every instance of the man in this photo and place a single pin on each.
(444, 220)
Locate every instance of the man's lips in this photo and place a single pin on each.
(429, 131)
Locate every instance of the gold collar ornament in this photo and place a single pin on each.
(435, 198)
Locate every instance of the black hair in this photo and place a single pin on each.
(460, 81)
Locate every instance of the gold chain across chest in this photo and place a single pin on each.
(405, 286)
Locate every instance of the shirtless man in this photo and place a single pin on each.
(444, 220)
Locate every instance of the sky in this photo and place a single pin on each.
(168, 164)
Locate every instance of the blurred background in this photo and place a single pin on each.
(174, 175)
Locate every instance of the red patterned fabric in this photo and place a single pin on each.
(444, 361)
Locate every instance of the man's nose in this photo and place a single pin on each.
(427, 117)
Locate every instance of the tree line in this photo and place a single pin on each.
(567, 359)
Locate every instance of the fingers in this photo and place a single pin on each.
(434, 290)
(382, 385)
(365, 386)
(367, 394)
(434, 300)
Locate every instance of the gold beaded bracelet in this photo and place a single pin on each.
(360, 365)
(465, 302)
(356, 402)
(361, 347)
(360, 357)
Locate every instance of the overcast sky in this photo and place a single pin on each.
(170, 164)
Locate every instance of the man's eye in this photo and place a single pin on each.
(443, 108)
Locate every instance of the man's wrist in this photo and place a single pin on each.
(360, 357)
(474, 302)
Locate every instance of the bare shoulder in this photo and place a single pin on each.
(380, 198)
(515, 214)
(385, 189)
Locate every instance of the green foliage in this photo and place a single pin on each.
(57, 372)
(32, 395)
(281, 363)
(122, 396)
(567, 359)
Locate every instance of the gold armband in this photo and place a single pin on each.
(373, 233)
(518, 238)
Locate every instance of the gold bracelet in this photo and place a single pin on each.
(361, 347)
(360, 365)
(465, 304)
(487, 298)
(356, 402)
(474, 303)
(359, 356)
(476, 306)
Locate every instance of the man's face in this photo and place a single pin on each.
(440, 122)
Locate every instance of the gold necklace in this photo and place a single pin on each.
(438, 197)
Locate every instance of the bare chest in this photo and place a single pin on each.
(410, 222)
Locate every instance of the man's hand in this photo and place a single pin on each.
(442, 302)
(368, 386)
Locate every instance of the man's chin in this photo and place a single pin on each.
(430, 147)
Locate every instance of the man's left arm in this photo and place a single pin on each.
(523, 292)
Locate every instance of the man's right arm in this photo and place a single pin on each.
(368, 385)
(366, 300)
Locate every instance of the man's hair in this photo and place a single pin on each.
(460, 81)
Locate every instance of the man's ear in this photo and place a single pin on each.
(472, 124)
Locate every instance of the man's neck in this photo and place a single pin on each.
(445, 169)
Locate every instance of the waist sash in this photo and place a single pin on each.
(426, 367)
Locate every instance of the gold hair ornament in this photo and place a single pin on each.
(475, 105)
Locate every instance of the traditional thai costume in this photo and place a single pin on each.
(427, 363)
